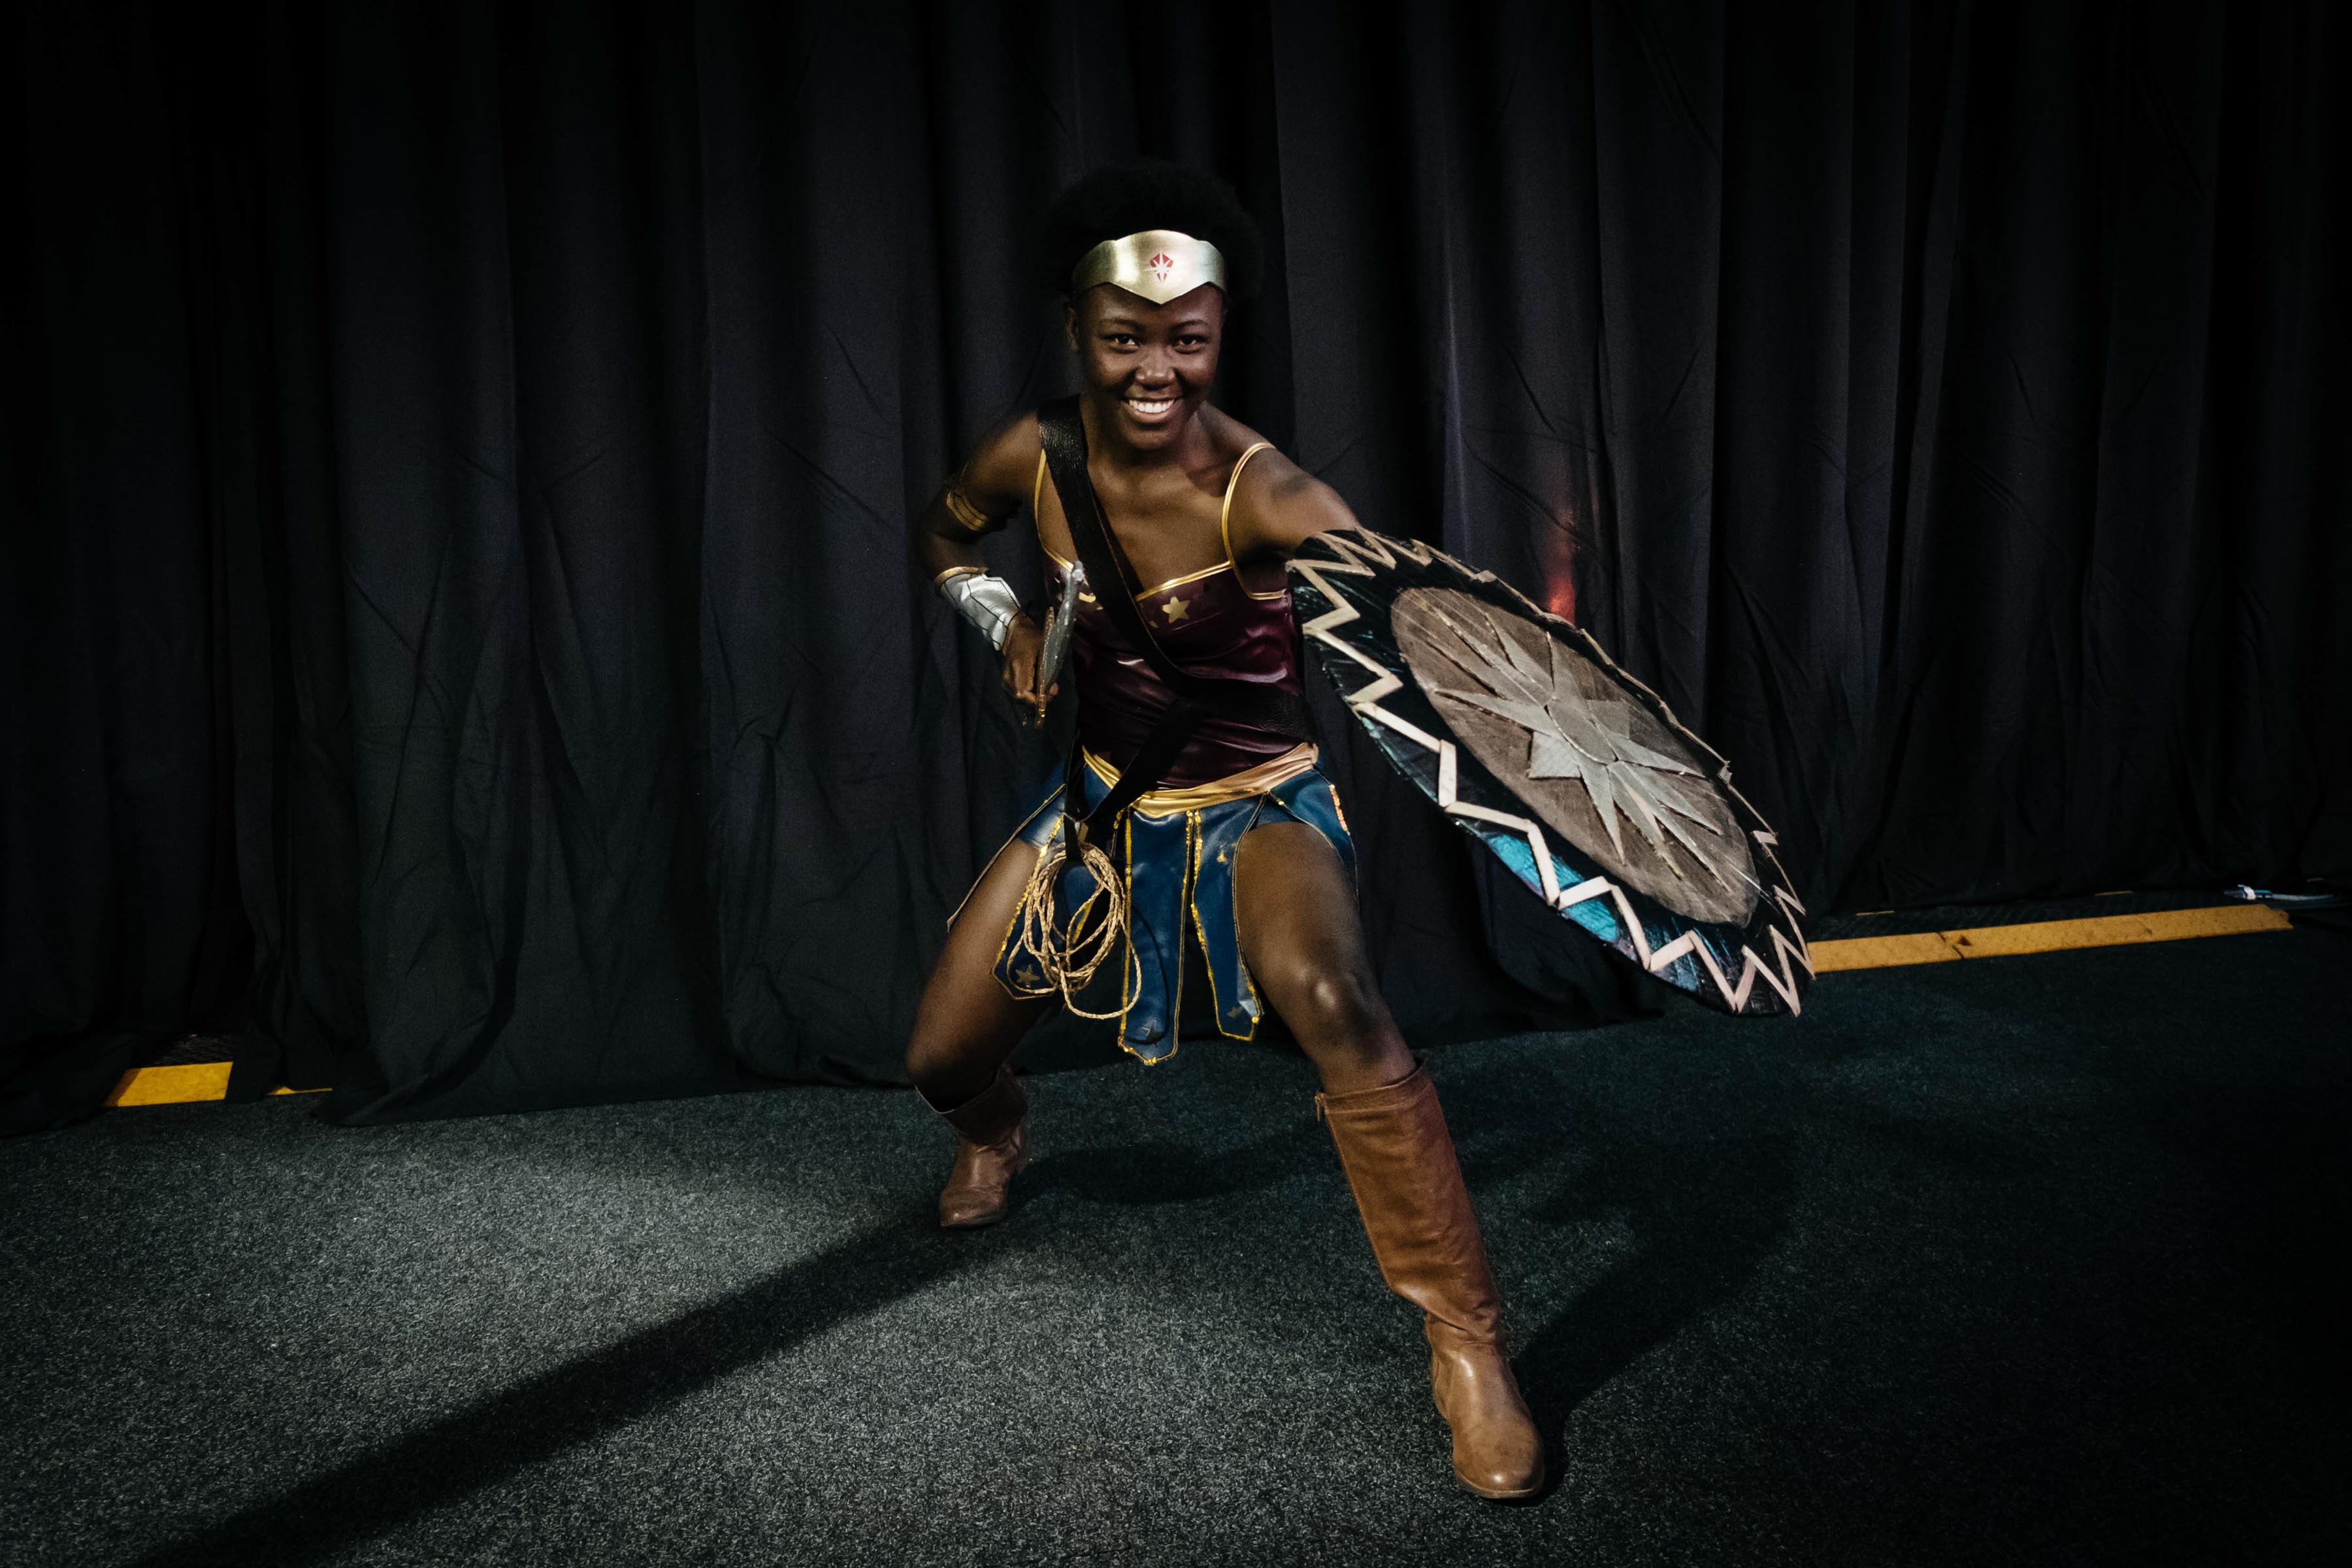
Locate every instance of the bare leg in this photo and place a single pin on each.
(966, 1025)
(1305, 948)
(1305, 945)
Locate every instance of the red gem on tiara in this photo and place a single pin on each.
(1160, 264)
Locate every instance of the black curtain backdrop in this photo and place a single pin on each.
(459, 627)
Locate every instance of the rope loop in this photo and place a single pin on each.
(1069, 955)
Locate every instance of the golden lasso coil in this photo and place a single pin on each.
(1069, 957)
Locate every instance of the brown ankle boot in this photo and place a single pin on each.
(991, 1148)
(1400, 1163)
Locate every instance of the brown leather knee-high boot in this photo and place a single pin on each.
(1400, 1163)
(991, 1148)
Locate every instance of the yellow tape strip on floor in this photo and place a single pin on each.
(171, 1085)
(2043, 936)
(209, 1081)
(178, 1085)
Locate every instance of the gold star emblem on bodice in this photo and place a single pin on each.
(1175, 609)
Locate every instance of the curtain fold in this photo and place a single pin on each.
(459, 621)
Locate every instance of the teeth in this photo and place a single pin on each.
(1152, 406)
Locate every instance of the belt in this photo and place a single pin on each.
(1269, 774)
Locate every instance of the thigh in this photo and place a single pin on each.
(966, 1023)
(1295, 908)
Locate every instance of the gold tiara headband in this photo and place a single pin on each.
(1160, 264)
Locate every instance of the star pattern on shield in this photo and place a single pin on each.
(1571, 737)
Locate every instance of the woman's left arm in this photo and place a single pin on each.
(1278, 507)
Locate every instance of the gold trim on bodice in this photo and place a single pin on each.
(1224, 535)
(1225, 523)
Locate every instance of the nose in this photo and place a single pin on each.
(1155, 373)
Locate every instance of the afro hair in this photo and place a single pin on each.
(1127, 198)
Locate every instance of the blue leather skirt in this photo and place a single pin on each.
(1177, 861)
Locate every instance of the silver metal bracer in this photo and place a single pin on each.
(984, 599)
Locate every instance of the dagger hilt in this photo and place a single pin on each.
(1060, 621)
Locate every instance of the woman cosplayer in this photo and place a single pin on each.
(1230, 837)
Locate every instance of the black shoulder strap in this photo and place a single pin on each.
(1062, 434)
(1063, 437)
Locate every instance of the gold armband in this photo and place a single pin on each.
(964, 513)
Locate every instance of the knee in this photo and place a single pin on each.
(933, 1065)
(1334, 1008)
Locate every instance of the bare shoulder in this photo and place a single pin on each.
(1230, 436)
(1277, 505)
(997, 474)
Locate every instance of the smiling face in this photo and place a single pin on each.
(1148, 367)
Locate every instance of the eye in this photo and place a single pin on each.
(1119, 340)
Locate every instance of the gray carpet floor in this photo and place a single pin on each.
(2026, 1260)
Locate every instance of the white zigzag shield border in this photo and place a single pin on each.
(1362, 553)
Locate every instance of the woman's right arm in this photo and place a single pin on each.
(980, 498)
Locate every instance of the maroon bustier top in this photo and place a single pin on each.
(1208, 622)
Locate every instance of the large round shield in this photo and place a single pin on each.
(1574, 773)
